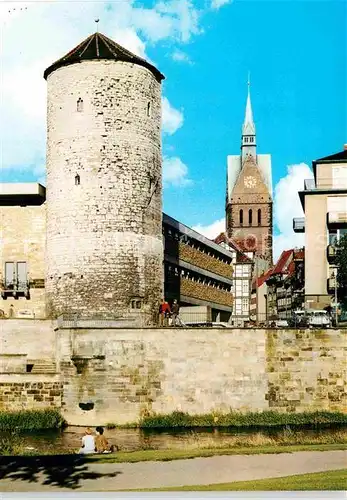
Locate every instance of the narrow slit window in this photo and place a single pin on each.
(79, 105)
(241, 216)
(250, 216)
(259, 217)
(148, 109)
(77, 180)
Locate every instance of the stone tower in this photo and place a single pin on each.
(104, 183)
(249, 193)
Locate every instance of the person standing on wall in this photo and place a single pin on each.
(11, 311)
(164, 313)
(176, 321)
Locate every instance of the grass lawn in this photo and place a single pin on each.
(166, 455)
(330, 480)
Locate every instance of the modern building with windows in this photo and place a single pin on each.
(324, 201)
(197, 271)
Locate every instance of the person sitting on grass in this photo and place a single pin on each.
(88, 443)
(101, 443)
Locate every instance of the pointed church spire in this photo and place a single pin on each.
(248, 129)
(249, 114)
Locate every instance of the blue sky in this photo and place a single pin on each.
(295, 52)
(298, 89)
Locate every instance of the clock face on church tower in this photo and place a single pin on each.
(250, 181)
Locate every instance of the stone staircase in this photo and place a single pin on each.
(42, 366)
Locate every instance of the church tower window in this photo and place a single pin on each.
(259, 217)
(77, 180)
(250, 216)
(241, 216)
(149, 109)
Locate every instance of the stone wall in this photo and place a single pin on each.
(119, 373)
(104, 247)
(124, 372)
(307, 370)
(26, 391)
(23, 232)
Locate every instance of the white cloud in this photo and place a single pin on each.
(185, 17)
(175, 172)
(172, 119)
(180, 56)
(217, 4)
(287, 206)
(211, 231)
(24, 57)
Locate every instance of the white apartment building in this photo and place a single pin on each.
(324, 200)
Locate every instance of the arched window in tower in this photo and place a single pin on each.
(241, 216)
(79, 105)
(77, 180)
(149, 109)
(259, 217)
(250, 216)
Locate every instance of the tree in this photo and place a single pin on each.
(341, 261)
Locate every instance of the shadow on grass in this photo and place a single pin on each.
(64, 471)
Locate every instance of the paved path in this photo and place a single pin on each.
(81, 476)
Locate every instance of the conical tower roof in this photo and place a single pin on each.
(99, 46)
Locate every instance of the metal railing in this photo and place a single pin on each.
(337, 217)
(309, 184)
(299, 224)
(325, 184)
(138, 319)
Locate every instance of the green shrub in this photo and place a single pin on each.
(236, 419)
(31, 420)
(10, 443)
(111, 425)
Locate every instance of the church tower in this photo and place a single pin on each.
(249, 193)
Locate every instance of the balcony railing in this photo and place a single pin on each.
(309, 184)
(325, 184)
(299, 224)
(332, 284)
(337, 219)
(200, 291)
(14, 288)
(332, 252)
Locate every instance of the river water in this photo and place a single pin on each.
(138, 439)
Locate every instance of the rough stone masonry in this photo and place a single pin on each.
(104, 189)
(114, 375)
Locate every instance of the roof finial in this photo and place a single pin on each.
(97, 23)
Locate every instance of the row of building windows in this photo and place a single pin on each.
(15, 273)
(241, 305)
(183, 238)
(174, 271)
(250, 216)
(249, 139)
(79, 107)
